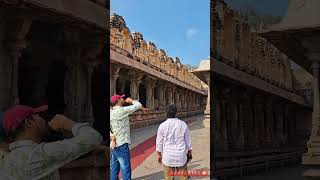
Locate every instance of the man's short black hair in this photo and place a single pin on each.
(171, 111)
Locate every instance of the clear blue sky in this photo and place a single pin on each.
(180, 27)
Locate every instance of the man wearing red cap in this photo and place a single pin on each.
(120, 127)
(31, 159)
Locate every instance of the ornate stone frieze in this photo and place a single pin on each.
(147, 52)
(239, 45)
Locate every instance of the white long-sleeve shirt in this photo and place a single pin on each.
(173, 141)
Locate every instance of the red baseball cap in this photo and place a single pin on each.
(16, 115)
(116, 97)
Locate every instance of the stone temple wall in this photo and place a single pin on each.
(148, 53)
(240, 46)
(141, 71)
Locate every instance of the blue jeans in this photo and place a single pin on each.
(120, 159)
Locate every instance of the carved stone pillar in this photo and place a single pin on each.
(87, 113)
(165, 94)
(313, 155)
(171, 90)
(122, 84)
(259, 118)
(194, 100)
(177, 100)
(135, 82)
(279, 120)
(207, 111)
(217, 121)
(16, 28)
(150, 84)
(191, 100)
(269, 121)
(72, 47)
(224, 128)
(161, 95)
(186, 100)
(114, 74)
(93, 48)
(243, 121)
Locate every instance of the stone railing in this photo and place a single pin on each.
(148, 54)
(240, 46)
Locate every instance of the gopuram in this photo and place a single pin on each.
(261, 113)
(51, 52)
(297, 35)
(141, 71)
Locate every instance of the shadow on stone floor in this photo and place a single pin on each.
(290, 173)
(157, 175)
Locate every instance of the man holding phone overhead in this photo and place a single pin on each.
(29, 157)
(120, 127)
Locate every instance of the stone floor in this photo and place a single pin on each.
(150, 169)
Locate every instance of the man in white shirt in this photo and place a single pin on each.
(173, 145)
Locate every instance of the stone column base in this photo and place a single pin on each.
(312, 159)
(206, 120)
(312, 174)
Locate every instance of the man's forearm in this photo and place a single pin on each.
(159, 153)
(67, 125)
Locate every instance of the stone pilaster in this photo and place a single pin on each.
(73, 82)
(114, 74)
(171, 90)
(161, 95)
(150, 84)
(183, 99)
(313, 155)
(207, 111)
(135, 82)
(93, 49)
(259, 118)
(165, 95)
(122, 84)
(269, 119)
(225, 137)
(17, 28)
(176, 98)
